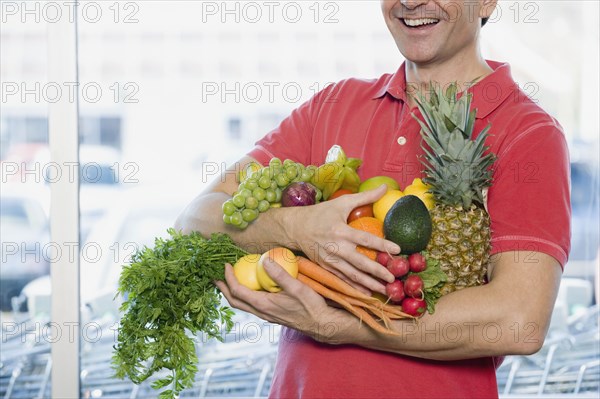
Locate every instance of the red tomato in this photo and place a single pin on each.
(361, 212)
(339, 193)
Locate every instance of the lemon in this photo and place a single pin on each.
(383, 204)
(245, 271)
(419, 189)
(417, 182)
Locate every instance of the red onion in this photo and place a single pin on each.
(299, 194)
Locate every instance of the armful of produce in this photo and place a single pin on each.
(439, 222)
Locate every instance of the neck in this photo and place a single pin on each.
(464, 71)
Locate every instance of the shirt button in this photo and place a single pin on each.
(401, 140)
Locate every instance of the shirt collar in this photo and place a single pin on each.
(395, 86)
(488, 93)
(492, 90)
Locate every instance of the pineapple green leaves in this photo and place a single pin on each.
(458, 170)
(455, 165)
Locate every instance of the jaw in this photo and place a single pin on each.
(420, 42)
(432, 42)
(436, 43)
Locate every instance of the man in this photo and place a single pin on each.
(324, 351)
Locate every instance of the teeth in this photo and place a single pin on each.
(420, 22)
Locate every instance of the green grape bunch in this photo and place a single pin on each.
(261, 190)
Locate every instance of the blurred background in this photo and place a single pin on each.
(172, 92)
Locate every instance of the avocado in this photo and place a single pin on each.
(408, 224)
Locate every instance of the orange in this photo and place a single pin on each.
(370, 225)
(383, 204)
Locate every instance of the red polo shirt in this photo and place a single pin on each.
(528, 204)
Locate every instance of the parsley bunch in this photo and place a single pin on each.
(170, 295)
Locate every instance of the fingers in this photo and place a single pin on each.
(283, 279)
(343, 277)
(369, 240)
(239, 296)
(236, 303)
(365, 198)
(350, 266)
(356, 269)
(328, 256)
(360, 279)
(371, 267)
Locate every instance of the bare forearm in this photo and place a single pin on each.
(466, 324)
(205, 216)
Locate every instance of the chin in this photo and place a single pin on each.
(418, 56)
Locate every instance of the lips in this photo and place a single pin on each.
(419, 22)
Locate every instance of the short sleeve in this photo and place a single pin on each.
(292, 138)
(529, 200)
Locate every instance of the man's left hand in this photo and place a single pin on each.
(296, 305)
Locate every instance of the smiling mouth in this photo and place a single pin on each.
(417, 23)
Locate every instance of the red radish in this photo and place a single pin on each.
(395, 291)
(414, 307)
(398, 266)
(413, 286)
(383, 258)
(417, 262)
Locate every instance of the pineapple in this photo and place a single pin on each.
(458, 172)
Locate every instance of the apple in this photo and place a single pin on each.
(374, 182)
(284, 258)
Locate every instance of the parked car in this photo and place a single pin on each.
(24, 237)
(101, 176)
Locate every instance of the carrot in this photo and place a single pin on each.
(371, 308)
(317, 273)
(334, 296)
(392, 312)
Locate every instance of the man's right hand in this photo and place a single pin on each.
(321, 232)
